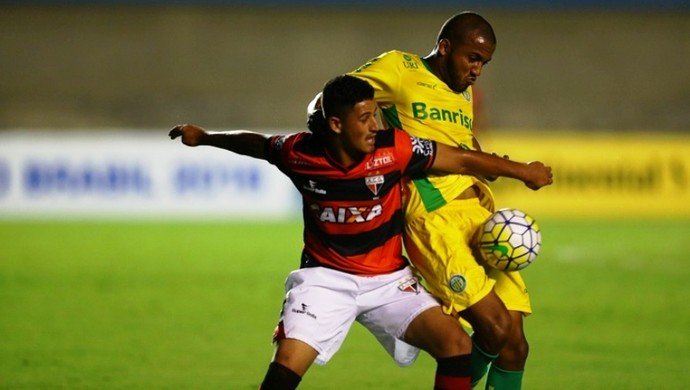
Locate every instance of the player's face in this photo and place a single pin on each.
(464, 61)
(359, 128)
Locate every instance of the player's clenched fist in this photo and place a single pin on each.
(539, 175)
(191, 135)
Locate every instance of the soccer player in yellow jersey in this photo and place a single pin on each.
(431, 97)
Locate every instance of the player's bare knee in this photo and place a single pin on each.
(455, 343)
(496, 333)
(451, 343)
(439, 335)
(514, 356)
(518, 350)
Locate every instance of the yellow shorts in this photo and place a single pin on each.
(511, 288)
(439, 245)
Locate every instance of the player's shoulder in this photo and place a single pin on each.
(397, 145)
(391, 59)
(296, 151)
(395, 53)
(393, 138)
(400, 57)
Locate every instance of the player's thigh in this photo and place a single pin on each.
(319, 309)
(439, 334)
(387, 306)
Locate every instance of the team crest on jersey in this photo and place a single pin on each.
(409, 285)
(374, 183)
(466, 95)
(457, 283)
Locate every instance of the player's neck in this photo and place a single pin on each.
(432, 62)
(341, 157)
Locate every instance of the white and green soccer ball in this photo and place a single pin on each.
(509, 240)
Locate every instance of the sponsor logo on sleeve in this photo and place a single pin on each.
(422, 146)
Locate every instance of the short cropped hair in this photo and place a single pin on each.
(341, 93)
(338, 97)
(459, 27)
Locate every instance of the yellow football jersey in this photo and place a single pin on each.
(411, 97)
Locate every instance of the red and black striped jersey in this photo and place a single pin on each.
(353, 219)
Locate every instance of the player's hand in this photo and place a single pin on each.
(191, 134)
(538, 175)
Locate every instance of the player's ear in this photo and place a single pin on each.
(444, 46)
(335, 124)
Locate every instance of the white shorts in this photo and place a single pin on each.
(321, 304)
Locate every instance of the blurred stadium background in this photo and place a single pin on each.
(598, 89)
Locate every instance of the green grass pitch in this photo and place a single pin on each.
(96, 305)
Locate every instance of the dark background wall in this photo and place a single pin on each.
(240, 66)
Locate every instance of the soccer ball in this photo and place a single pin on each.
(509, 240)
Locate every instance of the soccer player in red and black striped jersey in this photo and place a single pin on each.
(349, 174)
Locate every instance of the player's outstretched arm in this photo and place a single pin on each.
(243, 142)
(471, 162)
